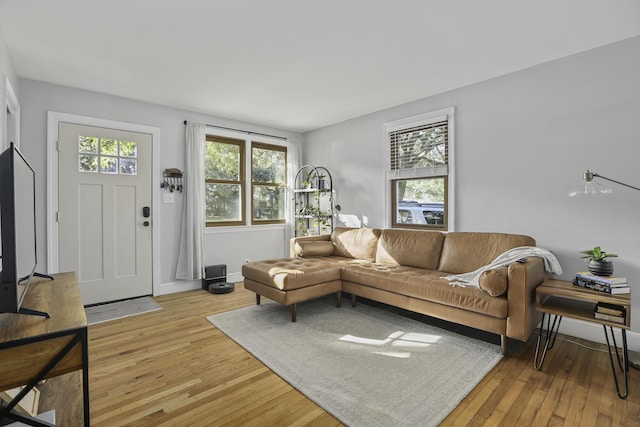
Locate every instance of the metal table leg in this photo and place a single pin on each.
(79, 337)
(623, 360)
(550, 332)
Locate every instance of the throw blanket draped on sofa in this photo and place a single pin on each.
(510, 256)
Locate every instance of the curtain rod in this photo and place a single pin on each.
(244, 131)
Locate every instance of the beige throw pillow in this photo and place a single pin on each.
(359, 243)
(494, 281)
(313, 249)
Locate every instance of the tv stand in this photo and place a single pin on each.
(30, 312)
(44, 276)
(32, 351)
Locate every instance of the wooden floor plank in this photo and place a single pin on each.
(172, 367)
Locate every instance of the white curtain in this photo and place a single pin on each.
(191, 252)
(294, 159)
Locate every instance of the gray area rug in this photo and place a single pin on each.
(118, 310)
(365, 365)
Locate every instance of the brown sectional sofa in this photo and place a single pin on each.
(405, 268)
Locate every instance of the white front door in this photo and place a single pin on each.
(104, 206)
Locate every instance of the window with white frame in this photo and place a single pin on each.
(227, 185)
(419, 175)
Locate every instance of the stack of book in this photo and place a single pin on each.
(611, 312)
(606, 284)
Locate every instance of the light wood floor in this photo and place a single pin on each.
(173, 368)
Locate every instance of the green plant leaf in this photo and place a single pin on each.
(597, 254)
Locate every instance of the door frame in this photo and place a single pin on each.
(9, 113)
(54, 118)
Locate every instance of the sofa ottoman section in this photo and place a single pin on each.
(293, 280)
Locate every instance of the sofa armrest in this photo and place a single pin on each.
(521, 295)
(293, 241)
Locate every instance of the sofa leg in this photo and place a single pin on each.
(353, 300)
(293, 312)
(257, 299)
(338, 299)
(504, 344)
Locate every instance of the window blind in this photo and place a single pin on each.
(420, 148)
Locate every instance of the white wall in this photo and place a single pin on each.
(523, 141)
(9, 105)
(222, 247)
(6, 64)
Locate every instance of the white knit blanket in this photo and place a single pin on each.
(551, 264)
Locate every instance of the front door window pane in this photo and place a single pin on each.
(87, 163)
(106, 155)
(88, 144)
(128, 149)
(108, 165)
(128, 166)
(108, 147)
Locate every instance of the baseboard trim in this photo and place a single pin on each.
(593, 332)
(181, 286)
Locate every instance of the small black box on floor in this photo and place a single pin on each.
(221, 288)
(214, 274)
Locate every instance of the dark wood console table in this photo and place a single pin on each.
(33, 348)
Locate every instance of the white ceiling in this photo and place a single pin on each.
(297, 64)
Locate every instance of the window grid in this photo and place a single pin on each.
(107, 156)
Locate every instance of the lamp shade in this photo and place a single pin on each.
(590, 187)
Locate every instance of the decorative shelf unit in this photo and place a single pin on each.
(313, 201)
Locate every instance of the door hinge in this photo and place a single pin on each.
(58, 216)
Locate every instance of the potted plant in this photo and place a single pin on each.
(307, 181)
(598, 262)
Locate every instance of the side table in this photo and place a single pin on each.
(558, 298)
(33, 348)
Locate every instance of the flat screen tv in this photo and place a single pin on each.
(17, 230)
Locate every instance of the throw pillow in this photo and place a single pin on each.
(494, 281)
(359, 243)
(313, 248)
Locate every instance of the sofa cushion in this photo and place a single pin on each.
(494, 281)
(426, 285)
(355, 242)
(463, 252)
(411, 248)
(313, 248)
(293, 273)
